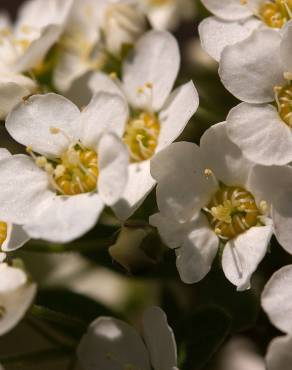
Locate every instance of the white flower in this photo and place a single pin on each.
(77, 165)
(235, 20)
(16, 295)
(24, 46)
(96, 29)
(158, 114)
(212, 193)
(12, 236)
(277, 303)
(111, 344)
(167, 14)
(258, 71)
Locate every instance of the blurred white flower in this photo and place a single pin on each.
(158, 114)
(235, 20)
(257, 71)
(212, 193)
(24, 45)
(277, 303)
(167, 14)
(95, 30)
(78, 164)
(111, 344)
(16, 295)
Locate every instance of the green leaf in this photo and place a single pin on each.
(204, 332)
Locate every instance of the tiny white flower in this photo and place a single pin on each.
(111, 344)
(258, 70)
(24, 45)
(77, 164)
(96, 30)
(211, 193)
(16, 295)
(158, 114)
(277, 303)
(167, 14)
(235, 20)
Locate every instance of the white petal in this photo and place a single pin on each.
(282, 218)
(11, 278)
(260, 133)
(65, 218)
(223, 157)
(183, 189)
(164, 17)
(139, 185)
(252, 78)
(4, 154)
(215, 34)
(16, 238)
(159, 339)
(111, 344)
(195, 258)
(279, 356)
(286, 49)
(30, 123)
(176, 113)
(228, 9)
(277, 299)
(113, 161)
(24, 189)
(101, 82)
(242, 255)
(155, 61)
(16, 305)
(105, 113)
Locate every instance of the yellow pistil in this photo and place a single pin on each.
(141, 136)
(3, 232)
(283, 97)
(276, 13)
(232, 211)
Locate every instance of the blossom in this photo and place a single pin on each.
(17, 292)
(77, 164)
(24, 46)
(262, 131)
(211, 195)
(235, 20)
(113, 344)
(277, 303)
(158, 114)
(167, 14)
(96, 30)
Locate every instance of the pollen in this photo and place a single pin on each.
(276, 13)
(283, 97)
(232, 211)
(141, 136)
(3, 232)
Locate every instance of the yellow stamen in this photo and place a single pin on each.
(276, 13)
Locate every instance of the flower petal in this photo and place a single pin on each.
(159, 339)
(111, 344)
(176, 113)
(11, 278)
(153, 67)
(252, 78)
(195, 258)
(30, 123)
(16, 238)
(277, 299)
(24, 189)
(105, 113)
(223, 157)
(216, 34)
(286, 49)
(113, 161)
(4, 154)
(101, 82)
(228, 9)
(64, 219)
(242, 255)
(183, 189)
(279, 356)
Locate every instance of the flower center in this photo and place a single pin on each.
(283, 97)
(3, 232)
(232, 211)
(75, 172)
(276, 13)
(141, 136)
